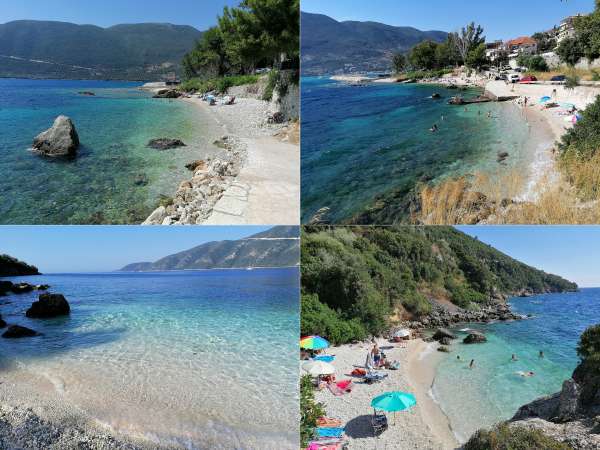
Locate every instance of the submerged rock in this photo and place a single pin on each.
(17, 331)
(49, 305)
(165, 143)
(88, 93)
(475, 337)
(141, 179)
(2, 323)
(60, 140)
(21, 288)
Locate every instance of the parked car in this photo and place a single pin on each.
(558, 78)
(504, 77)
(528, 79)
(513, 77)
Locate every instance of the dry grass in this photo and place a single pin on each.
(582, 74)
(574, 199)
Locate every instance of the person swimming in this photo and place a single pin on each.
(541, 354)
(458, 357)
(472, 364)
(525, 374)
(434, 128)
(514, 357)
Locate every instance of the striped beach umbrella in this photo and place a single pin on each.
(314, 343)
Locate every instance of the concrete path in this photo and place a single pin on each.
(267, 190)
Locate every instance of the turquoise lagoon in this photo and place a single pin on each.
(493, 390)
(200, 359)
(115, 179)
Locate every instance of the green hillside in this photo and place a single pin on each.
(329, 45)
(354, 279)
(146, 51)
(11, 267)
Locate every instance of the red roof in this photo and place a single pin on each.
(525, 40)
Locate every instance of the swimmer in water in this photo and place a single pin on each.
(434, 128)
(514, 357)
(541, 354)
(472, 364)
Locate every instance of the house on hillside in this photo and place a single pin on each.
(521, 46)
(494, 50)
(567, 28)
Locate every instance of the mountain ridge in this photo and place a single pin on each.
(277, 247)
(55, 49)
(330, 46)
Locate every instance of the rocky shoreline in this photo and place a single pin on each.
(195, 199)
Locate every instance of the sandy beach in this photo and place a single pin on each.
(423, 427)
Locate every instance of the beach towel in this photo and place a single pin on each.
(338, 445)
(324, 358)
(330, 432)
(327, 422)
(358, 372)
(340, 388)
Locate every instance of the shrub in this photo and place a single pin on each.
(504, 437)
(310, 410)
(589, 346)
(220, 85)
(272, 80)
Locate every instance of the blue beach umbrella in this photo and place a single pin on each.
(394, 401)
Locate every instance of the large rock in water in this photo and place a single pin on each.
(442, 333)
(475, 338)
(2, 322)
(49, 305)
(60, 140)
(17, 331)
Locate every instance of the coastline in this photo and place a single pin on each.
(424, 426)
(257, 181)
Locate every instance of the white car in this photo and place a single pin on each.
(513, 77)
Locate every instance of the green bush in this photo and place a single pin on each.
(220, 85)
(272, 80)
(583, 140)
(310, 410)
(504, 437)
(589, 347)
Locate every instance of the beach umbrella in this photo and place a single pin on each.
(314, 343)
(316, 368)
(393, 401)
(402, 333)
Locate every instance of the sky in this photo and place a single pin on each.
(572, 252)
(70, 249)
(503, 19)
(201, 14)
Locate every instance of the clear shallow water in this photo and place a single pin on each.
(359, 142)
(114, 126)
(493, 391)
(204, 359)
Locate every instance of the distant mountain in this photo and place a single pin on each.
(330, 46)
(278, 247)
(11, 267)
(145, 51)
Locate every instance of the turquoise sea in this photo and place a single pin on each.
(493, 390)
(115, 179)
(201, 359)
(362, 142)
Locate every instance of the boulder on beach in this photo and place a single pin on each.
(17, 331)
(49, 305)
(165, 143)
(475, 337)
(442, 333)
(60, 140)
(195, 165)
(167, 93)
